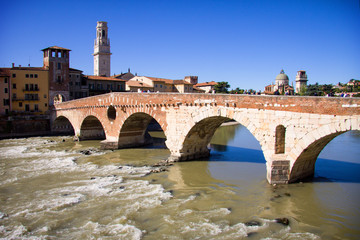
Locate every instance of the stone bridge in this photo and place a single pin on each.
(291, 131)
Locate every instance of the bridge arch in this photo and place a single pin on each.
(62, 125)
(134, 130)
(92, 129)
(310, 146)
(198, 133)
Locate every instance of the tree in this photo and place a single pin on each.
(222, 87)
(237, 91)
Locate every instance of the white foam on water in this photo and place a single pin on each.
(94, 230)
(300, 236)
(203, 228)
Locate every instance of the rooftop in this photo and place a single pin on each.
(101, 78)
(212, 83)
(56, 48)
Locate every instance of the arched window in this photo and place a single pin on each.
(280, 139)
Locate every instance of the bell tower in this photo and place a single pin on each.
(301, 80)
(102, 50)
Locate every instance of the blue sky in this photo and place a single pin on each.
(243, 42)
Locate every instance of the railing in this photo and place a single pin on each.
(25, 99)
(30, 90)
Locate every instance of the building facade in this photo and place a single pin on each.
(152, 84)
(78, 85)
(29, 90)
(102, 51)
(5, 91)
(100, 85)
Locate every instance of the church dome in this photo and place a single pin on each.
(282, 76)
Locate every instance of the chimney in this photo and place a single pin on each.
(13, 65)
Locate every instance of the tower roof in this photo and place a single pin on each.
(56, 48)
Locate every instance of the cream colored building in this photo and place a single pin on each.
(208, 87)
(152, 84)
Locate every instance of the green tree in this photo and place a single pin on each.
(222, 87)
(237, 91)
(303, 90)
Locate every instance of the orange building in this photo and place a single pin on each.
(4, 91)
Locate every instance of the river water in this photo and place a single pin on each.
(54, 188)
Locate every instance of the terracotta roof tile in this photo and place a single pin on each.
(30, 68)
(206, 84)
(132, 83)
(169, 81)
(101, 78)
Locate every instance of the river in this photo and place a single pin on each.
(54, 188)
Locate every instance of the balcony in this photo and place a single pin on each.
(31, 89)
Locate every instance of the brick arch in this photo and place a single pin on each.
(133, 132)
(62, 126)
(310, 146)
(96, 113)
(92, 128)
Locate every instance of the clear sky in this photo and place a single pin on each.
(243, 42)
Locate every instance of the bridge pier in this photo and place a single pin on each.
(177, 156)
(109, 145)
(278, 170)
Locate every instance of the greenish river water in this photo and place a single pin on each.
(50, 188)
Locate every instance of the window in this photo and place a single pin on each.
(26, 87)
(5, 90)
(52, 53)
(44, 95)
(14, 85)
(35, 76)
(59, 54)
(5, 80)
(45, 104)
(31, 75)
(20, 104)
(59, 66)
(14, 95)
(14, 75)
(36, 87)
(59, 79)
(36, 107)
(27, 75)
(27, 107)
